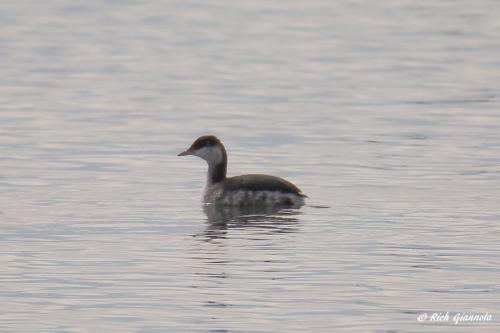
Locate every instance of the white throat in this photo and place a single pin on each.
(213, 155)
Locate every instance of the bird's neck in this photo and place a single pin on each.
(216, 172)
(217, 165)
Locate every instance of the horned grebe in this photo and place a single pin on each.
(244, 190)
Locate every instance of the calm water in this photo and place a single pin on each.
(386, 112)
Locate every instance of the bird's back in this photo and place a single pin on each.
(258, 182)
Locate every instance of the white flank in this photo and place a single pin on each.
(215, 194)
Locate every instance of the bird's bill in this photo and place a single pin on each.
(185, 153)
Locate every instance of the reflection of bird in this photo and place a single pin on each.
(245, 190)
(273, 219)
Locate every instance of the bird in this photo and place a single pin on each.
(245, 190)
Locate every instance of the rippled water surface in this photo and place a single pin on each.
(386, 113)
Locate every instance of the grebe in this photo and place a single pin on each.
(244, 190)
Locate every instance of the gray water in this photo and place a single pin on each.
(387, 113)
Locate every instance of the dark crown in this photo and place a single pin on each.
(205, 141)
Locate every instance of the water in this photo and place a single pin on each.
(385, 112)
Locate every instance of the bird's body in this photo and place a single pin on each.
(253, 189)
(244, 190)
